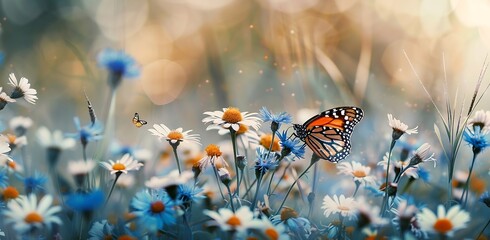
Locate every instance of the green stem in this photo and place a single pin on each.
(231, 197)
(272, 177)
(233, 142)
(218, 181)
(292, 185)
(118, 174)
(385, 198)
(259, 180)
(174, 147)
(358, 183)
(249, 188)
(281, 178)
(481, 232)
(313, 189)
(467, 184)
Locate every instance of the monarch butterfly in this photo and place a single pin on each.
(328, 133)
(137, 121)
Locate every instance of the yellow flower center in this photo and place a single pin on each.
(243, 129)
(33, 217)
(118, 166)
(234, 221)
(213, 150)
(11, 138)
(272, 233)
(443, 225)
(125, 237)
(265, 141)
(232, 115)
(10, 193)
(343, 208)
(174, 135)
(288, 213)
(478, 185)
(11, 164)
(157, 207)
(359, 174)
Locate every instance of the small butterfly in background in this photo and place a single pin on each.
(137, 121)
(328, 133)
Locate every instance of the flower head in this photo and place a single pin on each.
(23, 89)
(445, 223)
(35, 183)
(20, 124)
(480, 121)
(399, 128)
(174, 137)
(264, 229)
(171, 179)
(86, 134)
(119, 65)
(81, 167)
(359, 172)
(297, 227)
(231, 118)
(245, 134)
(123, 165)
(4, 148)
(153, 210)
(266, 142)
(13, 141)
(227, 220)
(346, 207)
(288, 145)
(85, 201)
(368, 215)
(4, 99)
(265, 162)
(485, 198)
(213, 157)
(275, 119)
(54, 139)
(188, 194)
(28, 215)
(477, 139)
(100, 230)
(422, 155)
(9, 193)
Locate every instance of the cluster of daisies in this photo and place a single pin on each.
(251, 185)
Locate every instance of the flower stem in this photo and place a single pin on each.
(294, 183)
(281, 178)
(257, 189)
(174, 147)
(233, 142)
(272, 176)
(249, 188)
(218, 182)
(481, 232)
(358, 183)
(311, 196)
(118, 174)
(385, 198)
(464, 195)
(231, 197)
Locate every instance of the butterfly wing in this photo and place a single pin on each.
(141, 123)
(328, 134)
(136, 118)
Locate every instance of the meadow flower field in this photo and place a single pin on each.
(225, 119)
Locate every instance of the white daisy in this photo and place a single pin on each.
(244, 135)
(54, 139)
(20, 122)
(81, 167)
(28, 215)
(357, 171)
(123, 165)
(346, 207)
(399, 128)
(213, 157)
(4, 148)
(399, 165)
(240, 221)
(171, 179)
(22, 89)
(368, 215)
(445, 223)
(174, 136)
(265, 229)
(422, 155)
(481, 119)
(11, 164)
(13, 140)
(2, 233)
(232, 118)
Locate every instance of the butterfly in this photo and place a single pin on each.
(328, 133)
(137, 121)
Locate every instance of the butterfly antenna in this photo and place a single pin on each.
(91, 111)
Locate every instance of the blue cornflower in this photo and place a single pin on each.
(288, 145)
(101, 230)
(423, 174)
(188, 194)
(477, 139)
(85, 201)
(297, 227)
(265, 162)
(89, 133)
(119, 64)
(485, 198)
(153, 210)
(3, 178)
(275, 119)
(35, 183)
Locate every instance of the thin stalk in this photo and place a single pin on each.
(233, 142)
(249, 188)
(80, 228)
(358, 183)
(291, 187)
(231, 197)
(118, 174)
(385, 198)
(464, 195)
(174, 148)
(481, 232)
(259, 180)
(218, 182)
(282, 177)
(313, 189)
(272, 177)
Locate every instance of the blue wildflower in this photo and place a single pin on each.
(288, 145)
(265, 162)
(297, 227)
(477, 139)
(85, 201)
(87, 133)
(188, 194)
(119, 64)
(485, 198)
(100, 230)
(3, 178)
(153, 210)
(35, 183)
(423, 174)
(275, 119)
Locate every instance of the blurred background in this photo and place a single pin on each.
(287, 55)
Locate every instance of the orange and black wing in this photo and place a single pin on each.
(137, 121)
